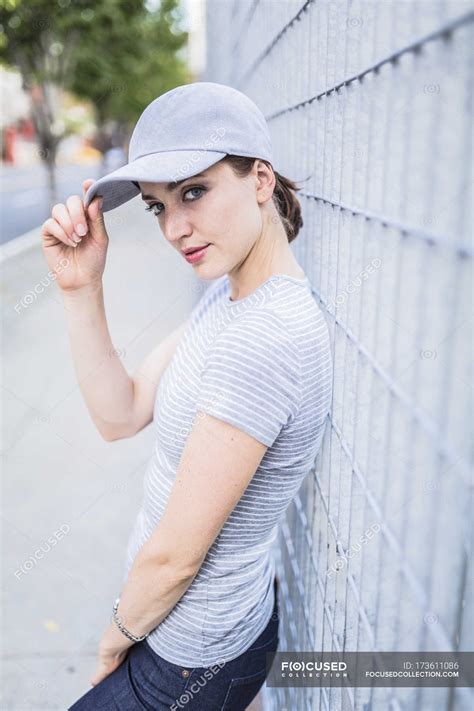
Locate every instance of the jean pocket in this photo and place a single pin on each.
(269, 645)
(156, 682)
(242, 691)
(179, 672)
(268, 636)
(133, 689)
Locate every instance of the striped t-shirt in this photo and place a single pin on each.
(262, 363)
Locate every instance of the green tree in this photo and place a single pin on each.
(119, 54)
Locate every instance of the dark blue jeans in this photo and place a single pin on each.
(145, 680)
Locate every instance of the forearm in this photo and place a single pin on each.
(105, 384)
(151, 591)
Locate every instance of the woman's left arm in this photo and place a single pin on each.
(216, 466)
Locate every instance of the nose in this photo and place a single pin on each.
(175, 226)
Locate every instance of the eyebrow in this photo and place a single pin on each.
(172, 186)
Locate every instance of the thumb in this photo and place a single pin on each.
(94, 209)
(96, 679)
(95, 220)
(86, 185)
(94, 212)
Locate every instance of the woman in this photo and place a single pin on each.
(238, 395)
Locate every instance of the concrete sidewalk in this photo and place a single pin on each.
(70, 498)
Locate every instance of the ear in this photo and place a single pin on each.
(266, 180)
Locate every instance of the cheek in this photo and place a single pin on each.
(235, 221)
(223, 211)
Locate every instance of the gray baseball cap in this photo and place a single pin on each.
(183, 132)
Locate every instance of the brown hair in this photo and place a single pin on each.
(286, 202)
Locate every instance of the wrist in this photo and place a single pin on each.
(114, 640)
(122, 625)
(81, 292)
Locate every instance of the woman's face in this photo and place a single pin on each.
(216, 208)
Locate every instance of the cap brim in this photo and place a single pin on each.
(117, 188)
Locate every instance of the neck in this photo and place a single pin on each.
(271, 254)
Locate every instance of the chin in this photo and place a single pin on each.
(207, 273)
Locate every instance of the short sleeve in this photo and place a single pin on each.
(251, 376)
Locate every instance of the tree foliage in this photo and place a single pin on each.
(117, 53)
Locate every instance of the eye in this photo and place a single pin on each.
(152, 208)
(189, 190)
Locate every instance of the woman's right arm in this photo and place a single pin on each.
(119, 405)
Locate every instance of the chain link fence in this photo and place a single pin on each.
(369, 106)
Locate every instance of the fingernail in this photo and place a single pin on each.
(81, 230)
(76, 238)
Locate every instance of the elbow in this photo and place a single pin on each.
(176, 567)
(109, 437)
(113, 436)
(108, 434)
(111, 433)
(182, 573)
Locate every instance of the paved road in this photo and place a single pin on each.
(70, 498)
(24, 195)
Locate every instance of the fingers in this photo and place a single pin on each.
(63, 221)
(52, 229)
(71, 222)
(77, 215)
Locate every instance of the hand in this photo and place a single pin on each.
(76, 264)
(113, 649)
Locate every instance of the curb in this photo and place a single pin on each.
(20, 244)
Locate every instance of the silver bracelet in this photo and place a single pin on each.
(122, 628)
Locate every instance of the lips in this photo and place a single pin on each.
(191, 250)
